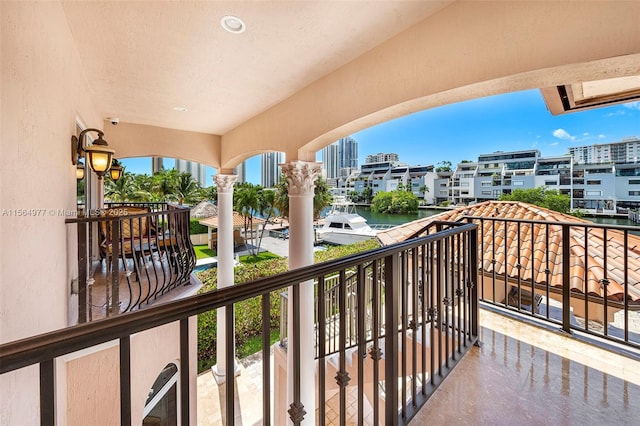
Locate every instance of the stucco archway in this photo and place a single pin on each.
(469, 50)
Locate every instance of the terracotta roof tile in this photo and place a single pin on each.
(541, 248)
(238, 221)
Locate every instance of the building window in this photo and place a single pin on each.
(634, 181)
(594, 182)
(485, 183)
(486, 192)
(518, 183)
(550, 182)
(634, 193)
(594, 193)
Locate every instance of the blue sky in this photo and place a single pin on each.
(464, 130)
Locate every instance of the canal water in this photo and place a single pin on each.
(398, 219)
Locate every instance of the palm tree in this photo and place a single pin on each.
(246, 202)
(163, 184)
(186, 189)
(321, 198)
(266, 209)
(121, 190)
(210, 193)
(281, 197)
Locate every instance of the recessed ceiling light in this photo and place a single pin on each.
(233, 24)
(179, 108)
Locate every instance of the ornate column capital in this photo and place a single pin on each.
(301, 176)
(225, 182)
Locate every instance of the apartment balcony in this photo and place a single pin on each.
(396, 334)
(130, 256)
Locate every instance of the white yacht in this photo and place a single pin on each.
(343, 225)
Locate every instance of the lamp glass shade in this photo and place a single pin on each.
(99, 158)
(80, 171)
(115, 172)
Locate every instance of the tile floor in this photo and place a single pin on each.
(521, 375)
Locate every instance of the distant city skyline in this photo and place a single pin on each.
(465, 130)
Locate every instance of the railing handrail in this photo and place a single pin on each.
(46, 346)
(100, 218)
(586, 224)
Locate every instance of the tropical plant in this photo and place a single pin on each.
(367, 194)
(210, 193)
(246, 201)
(551, 199)
(395, 202)
(186, 189)
(281, 196)
(321, 199)
(444, 166)
(121, 190)
(266, 209)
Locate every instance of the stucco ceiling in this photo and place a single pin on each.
(142, 59)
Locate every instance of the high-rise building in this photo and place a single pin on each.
(157, 164)
(331, 160)
(196, 170)
(241, 171)
(270, 169)
(342, 154)
(625, 151)
(381, 158)
(348, 153)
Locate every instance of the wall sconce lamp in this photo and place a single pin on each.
(80, 170)
(98, 154)
(116, 170)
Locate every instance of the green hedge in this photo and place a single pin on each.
(196, 228)
(248, 313)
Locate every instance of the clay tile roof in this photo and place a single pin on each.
(238, 221)
(540, 248)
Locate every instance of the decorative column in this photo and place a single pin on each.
(225, 268)
(301, 176)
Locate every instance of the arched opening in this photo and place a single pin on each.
(161, 407)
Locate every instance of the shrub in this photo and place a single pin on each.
(248, 313)
(196, 228)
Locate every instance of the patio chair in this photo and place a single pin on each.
(133, 233)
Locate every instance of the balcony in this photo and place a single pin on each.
(426, 291)
(131, 255)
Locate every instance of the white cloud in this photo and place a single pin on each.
(585, 134)
(615, 113)
(633, 105)
(563, 134)
(554, 144)
(601, 136)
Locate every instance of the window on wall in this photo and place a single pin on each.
(161, 407)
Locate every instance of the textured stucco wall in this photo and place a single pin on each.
(43, 92)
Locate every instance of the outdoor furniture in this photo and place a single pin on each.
(133, 235)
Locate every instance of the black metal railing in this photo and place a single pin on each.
(581, 276)
(422, 312)
(144, 252)
(154, 206)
